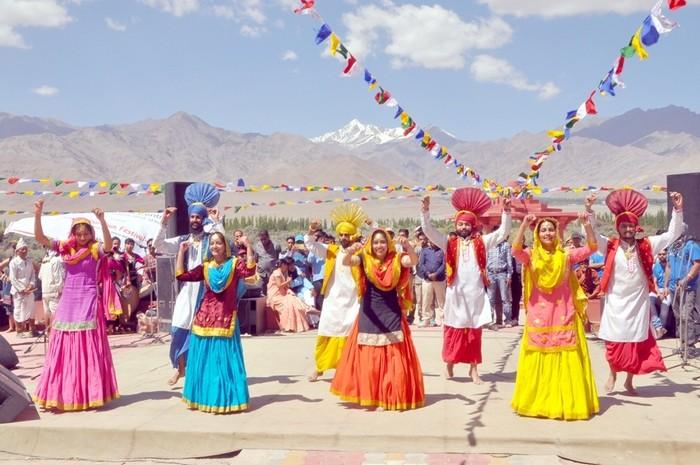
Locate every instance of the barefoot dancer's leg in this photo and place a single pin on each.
(474, 374)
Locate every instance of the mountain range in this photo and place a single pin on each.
(639, 147)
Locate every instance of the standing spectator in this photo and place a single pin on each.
(23, 279)
(499, 266)
(431, 269)
(684, 267)
(132, 262)
(51, 274)
(6, 288)
(421, 241)
(516, 288)
(150, 262)
(267, 256)
(317, 263)
(660, 297)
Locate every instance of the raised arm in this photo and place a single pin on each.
(160, 243)
(675, 226)
(601, 240)
(106, 236)
(312, 245)
(435, 236)
(499, 235)
(38, 229)
(518, 252)
(581, 253)
(409, 259)
(350, 258)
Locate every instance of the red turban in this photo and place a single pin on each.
(470, 203)
(627, 205)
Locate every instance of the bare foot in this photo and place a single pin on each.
(631, 391)
(174, 378)
(474, 374)
(610, 384)
(313, 377)
(449, 370)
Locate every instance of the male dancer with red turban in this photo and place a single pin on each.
(467, 307)
(627, 281)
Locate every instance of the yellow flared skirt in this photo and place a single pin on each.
(557, 385)
(328, 352)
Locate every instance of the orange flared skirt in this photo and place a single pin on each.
(386, 376)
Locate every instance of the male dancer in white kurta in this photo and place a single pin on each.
(627, 281)
(467, 307)
(341, 304)
(190, 292)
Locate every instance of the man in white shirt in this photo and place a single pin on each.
(23, 280)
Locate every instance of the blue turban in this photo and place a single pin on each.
(200, 197)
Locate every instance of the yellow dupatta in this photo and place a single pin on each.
(387, 274)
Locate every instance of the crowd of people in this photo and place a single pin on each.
(363, 293)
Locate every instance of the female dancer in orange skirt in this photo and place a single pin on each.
(379, 366)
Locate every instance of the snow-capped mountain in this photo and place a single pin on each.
(357, 134)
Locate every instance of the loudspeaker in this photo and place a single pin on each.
(687, 184)
(8, 357)
(167, 290)
(174, 193)
(13, 396)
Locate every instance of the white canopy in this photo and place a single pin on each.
(138, 226)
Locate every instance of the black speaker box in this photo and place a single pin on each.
(8, 357)
(167, 290)
(175, 197)
(13, 396)
(687, 184)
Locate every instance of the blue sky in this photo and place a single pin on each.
(480, 69)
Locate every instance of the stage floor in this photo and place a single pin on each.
(290, 413)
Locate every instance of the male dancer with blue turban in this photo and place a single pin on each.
(201, 199)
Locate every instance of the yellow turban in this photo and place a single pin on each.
(348, 218)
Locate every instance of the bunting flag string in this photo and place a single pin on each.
(492, 189)
(153, 187)
(646, 35)
(384, 97)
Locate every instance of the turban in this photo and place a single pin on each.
(200, 197)
(470, 203)
(627, 205)
(21, 244)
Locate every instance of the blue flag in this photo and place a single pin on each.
(323, 34)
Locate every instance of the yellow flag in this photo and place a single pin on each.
(335, 43)
(638, 46)
(555, 134)
(73, 194)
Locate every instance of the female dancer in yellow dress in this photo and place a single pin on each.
(554, 377)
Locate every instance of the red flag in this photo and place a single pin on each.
(305, 5)
(590, 105)
(674, 4)
(350, 64)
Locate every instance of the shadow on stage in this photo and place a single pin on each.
(129, 399)
(259, 402)
(281, 379)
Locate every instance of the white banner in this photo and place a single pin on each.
(138, 226)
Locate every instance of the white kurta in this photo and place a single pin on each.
(341, 305)
(626, 311)
(22, 277)
(186, 301)
(466, 302)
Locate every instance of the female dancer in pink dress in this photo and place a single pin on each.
(78, 371)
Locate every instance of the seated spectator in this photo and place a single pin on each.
(281, 299)
(661, 297)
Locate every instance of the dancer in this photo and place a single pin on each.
(340, 286)
(379, 366)
(78, 372)
(467, 307)
(215, 380)
(201, 198)
(627, 280)
(554, 377)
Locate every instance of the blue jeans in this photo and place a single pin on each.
(660, 309)
(499, 283)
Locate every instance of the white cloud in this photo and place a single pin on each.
(174, 7)
(428, 36)
(554, 8)
(251, 31)
(486, 68)
(290, 55)
(115, 25)
(224, 11)
(45, 91)
(253, 10)
(25, 13)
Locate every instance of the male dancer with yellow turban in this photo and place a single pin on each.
(467, 308)
(340, 287)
